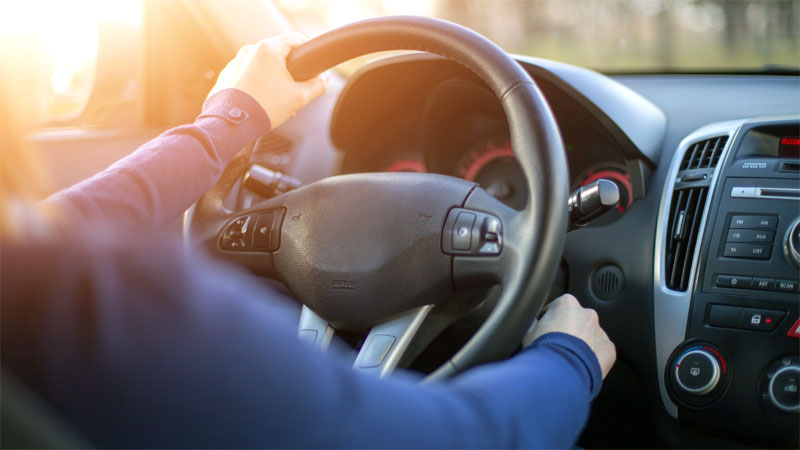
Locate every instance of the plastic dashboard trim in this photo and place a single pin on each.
(671, 308)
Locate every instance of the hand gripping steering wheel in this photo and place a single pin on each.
(387, 250)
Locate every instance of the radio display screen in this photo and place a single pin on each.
(771, 141)
(789, 147)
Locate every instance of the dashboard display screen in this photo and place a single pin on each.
(789, 147)
(772, 141)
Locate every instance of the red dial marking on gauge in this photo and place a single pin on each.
(622, 179)
(478, 160)
(406, 165)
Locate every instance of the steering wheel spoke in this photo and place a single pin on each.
(387, 343)
(314, 330)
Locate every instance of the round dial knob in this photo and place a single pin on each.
(697, 371)
(792, 242)
(784, 388)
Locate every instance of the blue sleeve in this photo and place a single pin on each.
(155, 184)
(140, 344)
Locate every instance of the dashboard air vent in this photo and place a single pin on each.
(704, 154)
(687, 208)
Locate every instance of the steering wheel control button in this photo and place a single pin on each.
(375, 351)
(472, 233)
(761, 319)
(234, 236)
(724, 316)
(262, 232)
(490, 236)
(697, 372)
(259, 231)
(462, 231)
(755, 222)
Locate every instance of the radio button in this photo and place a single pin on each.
(763, 237)
(786, 286)
(758, 237)
(743, 192)
(763, 284)
(764, 222)
(734, 281)
(738, 250)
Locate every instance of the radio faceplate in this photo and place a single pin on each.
(744, 290)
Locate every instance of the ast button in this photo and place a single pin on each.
(764, 284)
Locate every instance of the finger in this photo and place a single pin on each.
(289, 41)
(563, 301)
(315, 87)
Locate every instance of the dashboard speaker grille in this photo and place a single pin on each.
(687, 208)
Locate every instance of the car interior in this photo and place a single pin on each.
(427, 207)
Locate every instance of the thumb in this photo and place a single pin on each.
(316, 86)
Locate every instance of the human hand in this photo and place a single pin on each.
(566, 315)
(260, 71)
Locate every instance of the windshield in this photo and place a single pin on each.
(607, 35)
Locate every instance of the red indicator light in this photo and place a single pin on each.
(790, 141)
(768, 320)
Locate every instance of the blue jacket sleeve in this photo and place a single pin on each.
(140, 344)
(153, 185)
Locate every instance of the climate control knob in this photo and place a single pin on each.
(697, 371)
(784, 388)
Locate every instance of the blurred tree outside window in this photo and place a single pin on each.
(607, 35)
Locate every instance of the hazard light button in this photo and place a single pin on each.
(795, 330)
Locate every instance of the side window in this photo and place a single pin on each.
(93, 51)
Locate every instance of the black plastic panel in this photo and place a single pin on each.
(754, 340)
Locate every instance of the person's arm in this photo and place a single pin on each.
(144, 345)
(160, 180)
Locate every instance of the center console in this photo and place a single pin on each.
(727, 303)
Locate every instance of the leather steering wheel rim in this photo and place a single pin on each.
(540, 227)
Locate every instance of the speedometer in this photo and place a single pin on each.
(494, 167)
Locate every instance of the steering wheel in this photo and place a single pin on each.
(386, 250)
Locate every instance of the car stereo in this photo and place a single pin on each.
(736, 366)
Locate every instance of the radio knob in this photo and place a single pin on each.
(697, 372)
(792, 242)
(784, 388)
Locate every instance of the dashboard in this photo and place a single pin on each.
(693, 368)
(452, 124)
